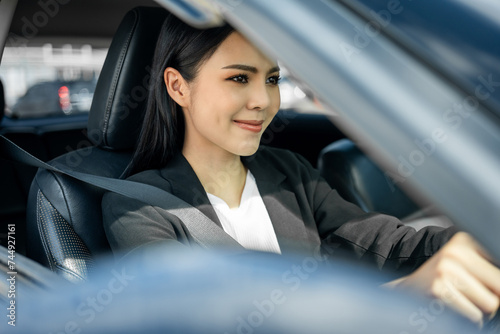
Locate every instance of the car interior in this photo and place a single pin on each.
(58, 218)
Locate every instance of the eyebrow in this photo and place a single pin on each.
(251, 69)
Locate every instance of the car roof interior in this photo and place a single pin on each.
(74, 23)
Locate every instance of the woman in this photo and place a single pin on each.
(213, 96)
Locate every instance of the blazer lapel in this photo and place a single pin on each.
(282, 206)
(280, 201)
(186, 185)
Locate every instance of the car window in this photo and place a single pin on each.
(50, 80)
(296, 95)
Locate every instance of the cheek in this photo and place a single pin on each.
(224, 92)
(275, 104)
(276, 99)
(214, 104)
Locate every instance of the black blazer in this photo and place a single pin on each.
(307, 214)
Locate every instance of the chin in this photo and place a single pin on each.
(247, 149)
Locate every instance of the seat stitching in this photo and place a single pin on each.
(117, 74)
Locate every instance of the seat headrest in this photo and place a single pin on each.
(2, 101)
(120, 97)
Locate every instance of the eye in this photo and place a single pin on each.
(274, 80)
(240, 78)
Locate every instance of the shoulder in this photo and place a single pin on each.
(151, 177)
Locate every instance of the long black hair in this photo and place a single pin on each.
(184, 48)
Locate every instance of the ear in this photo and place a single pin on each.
(177, 87)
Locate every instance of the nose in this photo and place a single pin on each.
(260, 97)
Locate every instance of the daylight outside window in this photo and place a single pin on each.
(53, 80)
(50, 80)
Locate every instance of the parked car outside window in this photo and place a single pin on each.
(50, 80)
(54, 98)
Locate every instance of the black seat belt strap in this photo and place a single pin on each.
(203, 230)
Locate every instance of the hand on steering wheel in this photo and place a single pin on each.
(461, 275)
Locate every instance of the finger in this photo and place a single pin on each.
(468, 252)
(475, 245)
(483, 270)
(454, 299)
(474, 290)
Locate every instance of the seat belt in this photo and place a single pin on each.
(203, 230)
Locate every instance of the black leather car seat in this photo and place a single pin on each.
(64, 220)
(358, 180)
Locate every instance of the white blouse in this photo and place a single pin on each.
(249, 224)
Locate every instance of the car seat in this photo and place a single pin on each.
(64, 222)
(358, 180)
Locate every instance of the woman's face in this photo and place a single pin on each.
(232, 100)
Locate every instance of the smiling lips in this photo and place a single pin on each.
(254, 126)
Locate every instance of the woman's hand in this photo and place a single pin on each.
(461, 275)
